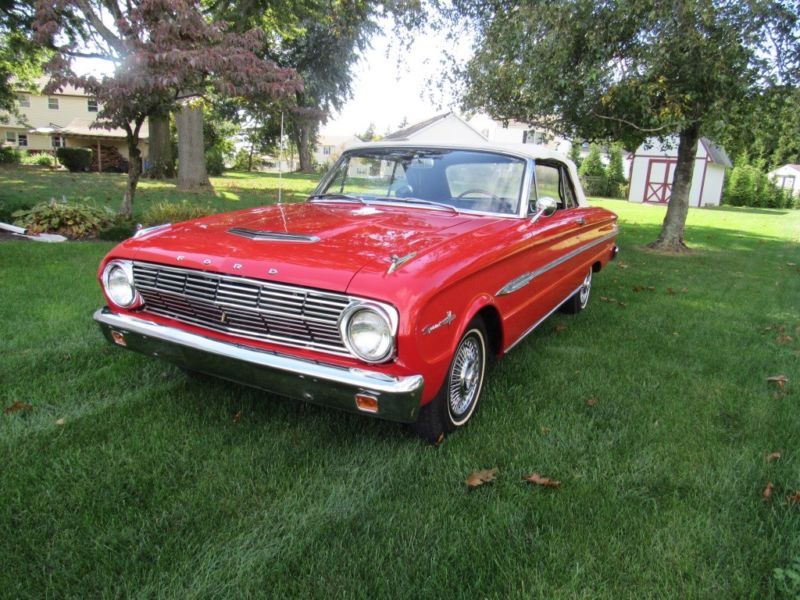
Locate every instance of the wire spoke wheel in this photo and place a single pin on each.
(586, 288)
(466, 376)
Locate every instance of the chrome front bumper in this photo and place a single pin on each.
(317, 382)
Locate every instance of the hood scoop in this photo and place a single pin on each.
(273, 236)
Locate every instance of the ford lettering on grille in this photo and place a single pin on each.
(284, 314)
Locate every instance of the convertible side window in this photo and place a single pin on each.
(548, 183)
(553, 180)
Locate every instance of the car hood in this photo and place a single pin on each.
(330, 243)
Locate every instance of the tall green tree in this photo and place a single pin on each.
(20, 58)
(628, 70)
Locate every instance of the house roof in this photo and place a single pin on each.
(716, 153)
(83, 127)
(403, 134)
(40, 83)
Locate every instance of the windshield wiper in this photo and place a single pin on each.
(419, 201)
(341, 197)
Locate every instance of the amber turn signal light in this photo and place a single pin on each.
(367, 403)
(118, 338)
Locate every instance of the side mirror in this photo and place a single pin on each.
(545, 206)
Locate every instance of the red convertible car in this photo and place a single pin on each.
(387, 292)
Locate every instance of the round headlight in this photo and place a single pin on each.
(369, 334)
(119, 285)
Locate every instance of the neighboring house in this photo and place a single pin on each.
(63, 119)
(787, 177)
(330, 147)
(520, 133)
(652, 170)
(447, 127)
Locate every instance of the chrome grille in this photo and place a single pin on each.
(283, 314)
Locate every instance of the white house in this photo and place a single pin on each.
(64, 118)
(330, 147)
(652, 170)
(787, 177)
(445, 127)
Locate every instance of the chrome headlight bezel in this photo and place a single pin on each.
(385, 312)
(126, 266)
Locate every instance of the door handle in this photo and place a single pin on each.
(580, 221)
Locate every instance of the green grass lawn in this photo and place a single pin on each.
(24, 186)
(126, 478)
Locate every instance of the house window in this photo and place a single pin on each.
(58, 141)
(786, 183)
(52, 102)
(532, 136)
(22, 140)
(327, 150)
(91, 104)
(11, 138)
(24, 100)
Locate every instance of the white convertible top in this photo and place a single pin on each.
(520, 150)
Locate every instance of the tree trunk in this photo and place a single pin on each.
(191, 149)
(672, 230)
(162, 162)
(303, 138)
(134, 171)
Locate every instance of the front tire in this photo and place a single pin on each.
(580, 299)
(460, 393)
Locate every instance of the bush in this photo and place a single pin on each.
(117, 231)
(215, 162)
(593, 173)
(75, 159)
(174, 212)
(40, 159)
(74, 220)
(8, 206)
(9, 156)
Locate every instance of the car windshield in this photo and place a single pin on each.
(436, 178)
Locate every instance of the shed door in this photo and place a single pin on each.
(658, 187)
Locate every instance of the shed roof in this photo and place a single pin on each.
(716, 153)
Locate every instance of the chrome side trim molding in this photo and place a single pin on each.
(273, 236)
(521, 281)
(544, 318)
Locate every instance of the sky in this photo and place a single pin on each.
(390, 83)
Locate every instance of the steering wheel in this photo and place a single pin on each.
(477, 191)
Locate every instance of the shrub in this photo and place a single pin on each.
(9, 156)
(241, 161)
(174, 212)
(615, 172)
(593, 173)
(215, 162)
(71, 219)
(40, 159)
(10, 205)
(117, 231)
(75, 159)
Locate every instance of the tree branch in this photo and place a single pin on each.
(97, 23)
(667, 126)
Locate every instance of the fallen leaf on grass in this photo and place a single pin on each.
(779, 380)
(559, 328)
(772, 457)
(783, 339)
(537, 479)
(477, 478)
(767, 493)
(591, 402)
(237, 417)
(60, 421)
(793, 498)
(670, 291)
(791, 264)
(622, 265)
(439, 440)
(17, 407)
(544, 430)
